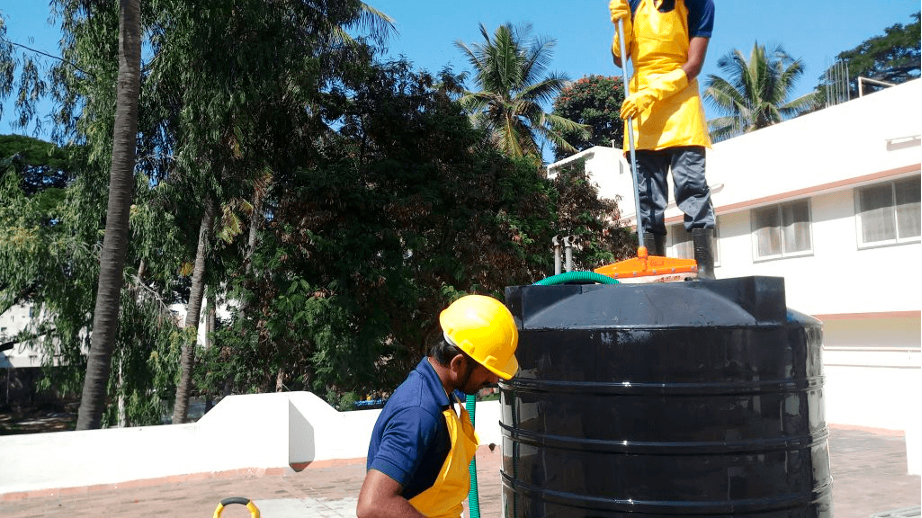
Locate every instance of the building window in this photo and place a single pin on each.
(888, 213)
(683, 244)
(782, 230)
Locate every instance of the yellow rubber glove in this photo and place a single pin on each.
(620, 10)
(660, 88)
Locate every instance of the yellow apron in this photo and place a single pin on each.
(444, 499)
(660, 45)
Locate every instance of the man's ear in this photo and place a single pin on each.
(458, 366)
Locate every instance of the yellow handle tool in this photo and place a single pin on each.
(254, 511)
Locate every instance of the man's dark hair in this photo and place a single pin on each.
(443, 352)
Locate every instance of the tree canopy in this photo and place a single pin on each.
(594, 101)
(333, 202)
(41, 165)
(409, 208)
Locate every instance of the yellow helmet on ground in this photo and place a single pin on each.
(483, 328)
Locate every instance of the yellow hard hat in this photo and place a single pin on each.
(483, 328)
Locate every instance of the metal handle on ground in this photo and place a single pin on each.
(254, 511)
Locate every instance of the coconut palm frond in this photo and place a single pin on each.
(753, 93)
(509, 72)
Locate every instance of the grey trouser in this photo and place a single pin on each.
(692, 194)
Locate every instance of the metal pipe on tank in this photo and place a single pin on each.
(568, 251)
(556, 254)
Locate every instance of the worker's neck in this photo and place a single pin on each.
(444, 376)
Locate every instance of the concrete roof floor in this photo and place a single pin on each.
(868, 466)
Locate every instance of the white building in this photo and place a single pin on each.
(830, 202)
(17, 355)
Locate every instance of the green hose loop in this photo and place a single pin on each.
(473, 498)
(583, 277)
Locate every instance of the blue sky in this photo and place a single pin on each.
(814, 31)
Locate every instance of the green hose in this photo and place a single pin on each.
(577, 277)
(473, 498)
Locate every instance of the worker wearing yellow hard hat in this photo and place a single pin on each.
(423, 441)
(667, 40)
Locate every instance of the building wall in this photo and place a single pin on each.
(836, 277)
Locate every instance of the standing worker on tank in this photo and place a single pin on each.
(667, 41)
(423, 442)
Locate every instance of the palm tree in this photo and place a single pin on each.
(509, 71)
(755, 92)
(115, 242)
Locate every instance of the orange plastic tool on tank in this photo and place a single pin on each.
(645, 265)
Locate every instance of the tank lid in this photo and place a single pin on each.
(724, 302)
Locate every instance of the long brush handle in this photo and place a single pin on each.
(630, 135)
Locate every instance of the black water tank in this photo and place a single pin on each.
(688, 398)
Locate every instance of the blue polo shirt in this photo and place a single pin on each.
(700, 15)
(410, 441)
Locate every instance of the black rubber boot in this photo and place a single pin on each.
(655, 244)
(704, 251)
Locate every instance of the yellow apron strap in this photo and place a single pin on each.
(444, 499)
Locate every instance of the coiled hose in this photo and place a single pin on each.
(473, 495)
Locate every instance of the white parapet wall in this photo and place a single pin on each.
(284, 430)
(259, 431)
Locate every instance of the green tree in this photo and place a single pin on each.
(893, 57)
(49, 239)
(202, 136)
(756, 92)
(404, 209)
(42, 165)
(7, 64)
(594, 101)
(510, 73)
(240, 116)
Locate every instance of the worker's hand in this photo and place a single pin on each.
(620, 10)
(636, 103)
(660, 88)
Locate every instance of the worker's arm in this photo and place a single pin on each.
(620, 12)
(697, 50)
(616, 48)
(615, 55)
(381, 497)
